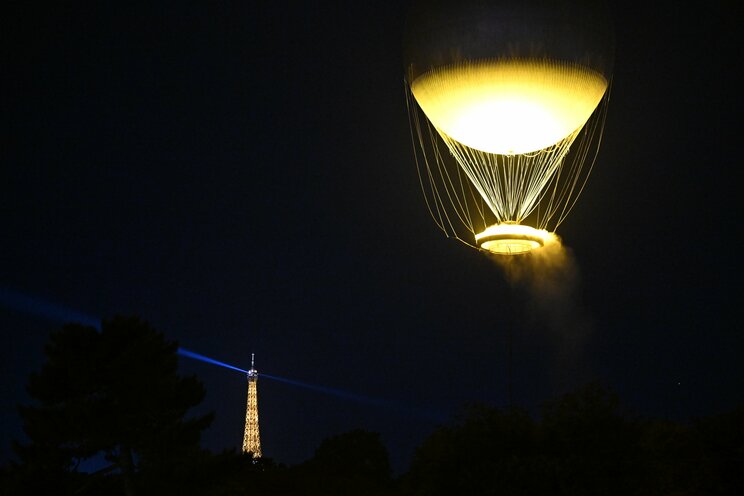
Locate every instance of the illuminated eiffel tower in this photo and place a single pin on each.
(251, 439)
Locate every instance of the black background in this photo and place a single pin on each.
(241, 175)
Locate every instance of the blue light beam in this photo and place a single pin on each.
(378, 402)
(41, 308)
(359, 398)
(202, 358)
(332, 391)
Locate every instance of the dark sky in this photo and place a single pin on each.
(240, 175)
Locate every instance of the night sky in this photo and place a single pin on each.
(241, 176)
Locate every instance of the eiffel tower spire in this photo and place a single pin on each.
(251, 438)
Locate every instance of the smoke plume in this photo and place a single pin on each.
(547, 281)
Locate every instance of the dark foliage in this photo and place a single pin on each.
(583, 445)
(114, 393)
(354, 462)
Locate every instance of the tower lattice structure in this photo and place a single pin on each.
(251, 438)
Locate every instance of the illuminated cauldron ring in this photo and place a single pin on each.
(511, 239)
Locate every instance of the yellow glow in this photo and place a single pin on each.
(509, 106)
(512, 239)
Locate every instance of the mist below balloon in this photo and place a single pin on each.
(547, 282)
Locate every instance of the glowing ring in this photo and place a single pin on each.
(511, 239)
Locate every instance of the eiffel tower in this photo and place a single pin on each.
(251, 439)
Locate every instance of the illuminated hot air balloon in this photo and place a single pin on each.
(514, 96)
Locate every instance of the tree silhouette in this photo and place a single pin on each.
(485, 451)
(115, 392)
(583, 444)
(354, 462)
(592, 445)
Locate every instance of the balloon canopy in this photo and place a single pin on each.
(509, 106)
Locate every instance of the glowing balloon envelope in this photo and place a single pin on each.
(517, 94)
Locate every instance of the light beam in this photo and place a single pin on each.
(205, 359)
(359, 398)
(41, 308)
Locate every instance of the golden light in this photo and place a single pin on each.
(512, 239)
(509, 106)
